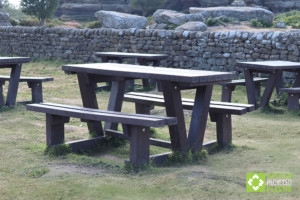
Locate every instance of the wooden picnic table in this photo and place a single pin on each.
(275, 70)
(142, 59)
(173, 81)
(15, 63)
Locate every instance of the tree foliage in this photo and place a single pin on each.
(147, 6)
(42, 9)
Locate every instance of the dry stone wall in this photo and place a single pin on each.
(195, 50)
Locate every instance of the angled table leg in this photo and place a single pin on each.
(174, 108)
(269, 88)
(115, 101)
(250, 86)
(89, 100)
(297, 81)
(2, 101)
(143, 62)
(279, 81)
(13, 85)
(199, 117)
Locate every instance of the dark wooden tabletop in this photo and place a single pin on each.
(132, 55)
(270, 65)
(147, 72)
(13, 60)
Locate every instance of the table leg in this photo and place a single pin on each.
(13, 85)
(174, 108)
(89, 100)
(269, 88)
(199, 117)
(2, 101)
(115, 101)
(250, 87)
(297, 81)
(145, 81)
(279, 82)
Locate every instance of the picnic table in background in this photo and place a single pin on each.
(173, 81)
(275, 70)
(142, 59)
(15, 63)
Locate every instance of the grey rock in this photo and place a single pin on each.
(276, 5)
(280, 25)
(193, 26)
(116, 20)
(240, 13)
(174, 17)
(79, 10)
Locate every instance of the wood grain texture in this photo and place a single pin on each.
(148, 72)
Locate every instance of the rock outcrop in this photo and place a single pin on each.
(4, 17)
(240, 13)
(116, 20)
(192, 26)
(76, 9)
(163, 16)
(276, 5)
(185, 4)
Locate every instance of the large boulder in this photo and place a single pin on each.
(115, 5)
(214, 3)
(116, 20)
(276, 5)
(192, 26)
(239, 13)
(163, 16)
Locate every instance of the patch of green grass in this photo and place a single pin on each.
(260, 24)
(291, 18)
(38, 173)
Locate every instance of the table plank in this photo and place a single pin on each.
(132, 55)
(148, 72)
(270, 65)
(13, 60)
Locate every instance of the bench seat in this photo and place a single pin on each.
(229, 87)
(293, 97)
(35, 83)
(135, 127)
(220, 112)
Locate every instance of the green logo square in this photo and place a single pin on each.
(256, 182)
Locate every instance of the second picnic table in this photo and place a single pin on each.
(173, 81)
(274, 69)
(142, 59)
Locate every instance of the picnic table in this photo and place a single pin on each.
(142, 59)
(173, 81)
(275, 70)
(15, 63)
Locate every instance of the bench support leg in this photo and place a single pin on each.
(55, 131)
(293, 101)
(36, 91)
(224, 128)
(227, 93)
(2, 101)
(139, 138)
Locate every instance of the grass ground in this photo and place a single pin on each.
(264, 142)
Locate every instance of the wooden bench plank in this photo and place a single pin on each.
(28, 79)
(242, 81)
(109, 116)
(290, 90)
(218, 107)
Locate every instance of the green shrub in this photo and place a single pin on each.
(291, 18)
(29, 22)
(13, 22)
(95, 24)
(260, 24)
(213, 21)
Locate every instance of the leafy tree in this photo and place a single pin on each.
(147, 5)
(42, 9)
